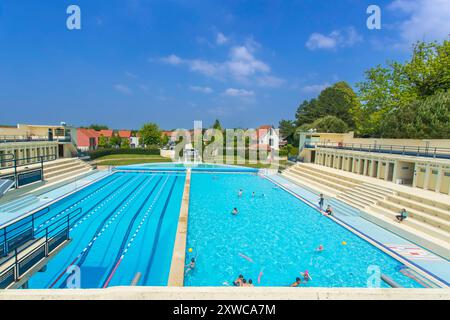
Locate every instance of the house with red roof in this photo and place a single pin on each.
(106, 133)
(87, 139)
(268, 138)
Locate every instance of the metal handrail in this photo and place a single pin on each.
(434, 152)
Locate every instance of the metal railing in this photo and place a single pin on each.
(14, 138)
(21, 174)
(416, 151)
(19, 237)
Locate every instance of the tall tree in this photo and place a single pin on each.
(340, 101)
(287, 130)
(98, 127)
(150, 134)
(394, 89)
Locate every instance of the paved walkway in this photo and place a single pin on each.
(415, 254)
(39, 200)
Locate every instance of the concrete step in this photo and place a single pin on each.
(378, 188)
(312, 177)
(431, 210)
(327, 172)
(366, 195)
(326, 176)
(358, 197)
(414, 223)
(61, 166)
(418, 215)
(68, 175)
(74, 167)
(429, 202)
(351, 201)
(424, 239)
(307, 182)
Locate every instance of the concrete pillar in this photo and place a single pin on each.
(380, 164)
(439, 179)
(416, 170)
(394, 175)
(386, 171)
(427, 177)
(365, 167)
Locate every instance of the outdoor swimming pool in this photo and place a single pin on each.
(123, 228)
(127, 225)
(273, 238)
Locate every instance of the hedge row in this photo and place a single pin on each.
(106, 152)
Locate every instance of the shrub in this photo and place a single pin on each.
(106, 152)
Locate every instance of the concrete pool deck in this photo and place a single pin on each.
(419, 257)
(53, 194)
(226, 293)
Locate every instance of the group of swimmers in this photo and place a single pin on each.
(241, 282)
(298, 280)
(235, 211)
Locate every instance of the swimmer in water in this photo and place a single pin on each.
(240, 193)
(190, 266)
(320, 248)
(297, 282)
(306, 275)
(253, 194)
(234, 212)
(250, 283)
(238, 281)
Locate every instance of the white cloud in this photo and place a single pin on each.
(122, 89)
(172, 59)
(232, 92)
(315, 88)
(241, 65)
(342, 38)
(426, 19)
(221, 39)
(206, 90)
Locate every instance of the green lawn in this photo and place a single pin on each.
(126, 159)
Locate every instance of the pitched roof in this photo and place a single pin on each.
(106, 133)
(91, 133)
(125, 133)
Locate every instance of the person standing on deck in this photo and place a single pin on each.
(321, 201)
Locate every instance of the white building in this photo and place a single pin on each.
(268, 135)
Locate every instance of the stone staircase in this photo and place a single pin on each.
(428, 223)
(64, 168)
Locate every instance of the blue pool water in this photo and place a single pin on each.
(278, 233)
(127, 226)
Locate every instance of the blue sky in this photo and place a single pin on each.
(173, 62)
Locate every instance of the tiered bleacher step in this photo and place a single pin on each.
(63, 169)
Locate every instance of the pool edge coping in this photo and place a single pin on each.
(176, 273)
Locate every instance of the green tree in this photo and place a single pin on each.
(150, 134)
(98, 127)
(125, 143)
(392, 91)
(287, 130)
(103, 142)
(330, 124)
(115, 141)
(307, 112)
(217, 125)
(340, 101)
